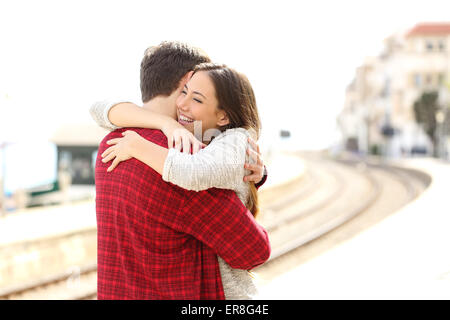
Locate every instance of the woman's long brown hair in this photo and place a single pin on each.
(237, 99)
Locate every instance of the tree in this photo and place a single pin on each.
(425, 109)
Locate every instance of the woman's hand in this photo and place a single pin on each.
(178, 137)
(182, 137)
(121, 149)
(257, 169)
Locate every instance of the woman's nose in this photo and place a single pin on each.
(182, 103)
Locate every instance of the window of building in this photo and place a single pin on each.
(441, 78)
(429, 46)
(441, 46)
(417, 80)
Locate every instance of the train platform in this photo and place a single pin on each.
(405, 256)
(76, 212)
(39, 242)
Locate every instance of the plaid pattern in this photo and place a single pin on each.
(159, 241)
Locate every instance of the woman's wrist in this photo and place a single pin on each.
(169, 126)
(136, 144)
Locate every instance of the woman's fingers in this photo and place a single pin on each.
(177, 140)
(252, 178)
(256, 172)
(109, 157)
(190, 143)
(254, 167)
(254, 145)
(113, 141)
(107, 151)
(254, 155)
(186, 144)
(125, 133)
(171, 142)
(113, 165)
(196, 147)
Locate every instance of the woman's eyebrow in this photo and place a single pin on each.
(196, 92)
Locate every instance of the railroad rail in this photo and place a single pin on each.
(310, 222)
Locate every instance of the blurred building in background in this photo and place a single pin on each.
(379, 117)
(61, 170)
(77, 147)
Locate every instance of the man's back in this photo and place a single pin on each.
(148, 245)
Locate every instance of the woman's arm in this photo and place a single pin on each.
(192, 172)
(113, 115)
(219, 165)
(126, 114)
(99, 113)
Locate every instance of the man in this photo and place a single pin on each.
(156, 240)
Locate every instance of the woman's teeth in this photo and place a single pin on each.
(185, 119)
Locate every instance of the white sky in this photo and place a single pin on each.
(57, 57)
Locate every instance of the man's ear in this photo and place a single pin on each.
(222, 118)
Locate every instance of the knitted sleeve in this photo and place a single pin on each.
(219, 165)
(99, 112)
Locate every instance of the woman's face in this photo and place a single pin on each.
(198, 102)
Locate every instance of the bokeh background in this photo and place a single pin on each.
(365, 77)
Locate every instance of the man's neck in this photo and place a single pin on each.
(162, 105)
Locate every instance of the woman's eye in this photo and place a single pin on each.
(183, 92)
(199, 101)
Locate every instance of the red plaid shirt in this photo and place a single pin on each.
(159, 241)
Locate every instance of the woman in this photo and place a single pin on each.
(222, 101)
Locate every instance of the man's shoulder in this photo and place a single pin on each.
(153, 135)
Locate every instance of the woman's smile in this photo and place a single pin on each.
(184, 120)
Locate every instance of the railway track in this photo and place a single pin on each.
(77, 283)
(333, 195)
(357, 207)
(307, 219)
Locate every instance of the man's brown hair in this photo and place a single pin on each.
(164, 65)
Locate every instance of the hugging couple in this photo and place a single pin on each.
(176, 183)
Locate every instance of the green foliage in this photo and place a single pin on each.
(425, 109)
(375, 149)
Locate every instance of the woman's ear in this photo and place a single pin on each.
(222, 118)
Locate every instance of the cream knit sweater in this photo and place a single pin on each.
(219, 165)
